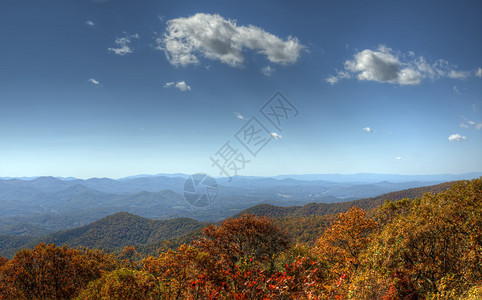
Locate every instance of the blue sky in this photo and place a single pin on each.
(116, 88)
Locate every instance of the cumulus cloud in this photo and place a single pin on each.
(367, 129)
(267, 70)
(90, 23)
(217, 38)
(93, 81)
(457, 138)
(387, 65)
(123, 44)
(478, 73)
(238, 115)
(276, 136)
(181, 85)
(382, 66)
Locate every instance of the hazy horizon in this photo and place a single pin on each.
(479, 173)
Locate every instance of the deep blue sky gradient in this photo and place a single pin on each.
(54, 122)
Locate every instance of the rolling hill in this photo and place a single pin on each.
(109, 233)
(321, 209)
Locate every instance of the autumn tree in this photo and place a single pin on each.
(436, 248)
(239, 253)
(245, 238)
(3, 260)
(176, 272)
(122, 283)
(52, 272)
(342, 243)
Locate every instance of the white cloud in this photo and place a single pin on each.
(276, 136)
(367, 129)
(387, 65)
(181, 85)
(398, 158)
(381, 65)
(478, 126)
(90, 23)
(463, 125)
(267, 70)
(458, 74)
(339, 76)
(238, 115)
(123, 44)
(217, 38)
(93, 81)
(457, 138)
(478, 73)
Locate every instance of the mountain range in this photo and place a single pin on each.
(42, 205)
(112, 233)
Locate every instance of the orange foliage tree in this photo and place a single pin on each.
(52, 272)
(341, 245)
(122, 283)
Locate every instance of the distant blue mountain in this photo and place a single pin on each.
(374, 177)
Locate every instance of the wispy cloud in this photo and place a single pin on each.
(93, 81)
(478, 73)
(267, 70)
(367, 129)
(123, 44)
(398, 158)
(217, 38)
(467, 123)
(238, 115)
(458, 74)
(90, 23)
(457, 90)
(387, 65)
(457, 138)
(276, 136)
(181, 85)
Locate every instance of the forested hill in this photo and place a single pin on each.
(122, 229)
(321, 209)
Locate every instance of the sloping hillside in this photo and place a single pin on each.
(321, 209)
(122, 229)
(112, 233)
